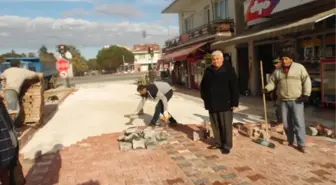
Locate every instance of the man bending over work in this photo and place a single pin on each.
(15, 77)
(161, 91)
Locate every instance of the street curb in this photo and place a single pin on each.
(28, 134)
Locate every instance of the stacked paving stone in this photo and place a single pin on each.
(136, 138)
(32, 101)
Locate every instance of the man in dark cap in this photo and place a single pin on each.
(294, 87)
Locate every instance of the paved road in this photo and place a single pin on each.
(103, 78)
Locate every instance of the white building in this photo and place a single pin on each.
(201, 23)
(142, 59)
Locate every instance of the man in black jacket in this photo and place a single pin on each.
(219, 91)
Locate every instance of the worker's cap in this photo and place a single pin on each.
(217, 53)
(286, 54)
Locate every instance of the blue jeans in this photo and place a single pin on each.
(12, 100)
(294, 121)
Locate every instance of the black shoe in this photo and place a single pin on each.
(225, 151)
(214, 147)
(302, 149)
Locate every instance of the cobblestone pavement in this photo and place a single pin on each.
(98, 161)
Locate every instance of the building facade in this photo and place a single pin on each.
(201, 23)
(143, 61)
(305, 28)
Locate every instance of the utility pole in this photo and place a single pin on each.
(123, 57)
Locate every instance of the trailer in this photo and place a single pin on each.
(49, 70)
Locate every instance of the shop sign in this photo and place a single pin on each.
(184, 38)
(257, 11)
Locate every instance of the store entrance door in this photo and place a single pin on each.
(265, 54)
(243, 69)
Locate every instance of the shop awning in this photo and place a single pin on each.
(307, 23)
(181, 54)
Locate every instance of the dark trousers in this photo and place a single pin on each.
(221, 123)
(159, 110)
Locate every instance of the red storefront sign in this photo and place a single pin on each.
(184, 38)
(260, 8)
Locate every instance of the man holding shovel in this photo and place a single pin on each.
(294, 88)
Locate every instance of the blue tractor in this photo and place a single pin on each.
(49, 70)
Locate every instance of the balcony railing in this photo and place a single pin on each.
(214, 27)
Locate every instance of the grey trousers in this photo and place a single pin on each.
(294, 121)
(221, 123)
(12, 99)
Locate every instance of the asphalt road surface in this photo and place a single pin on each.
(103, 78)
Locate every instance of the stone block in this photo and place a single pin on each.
(121, 138)
(312, 131)
(149, 134)
(199, 135)
(138, 144)
(125, 146)
(131, 137)
(151, 143)
(163, 135)
(131, 130)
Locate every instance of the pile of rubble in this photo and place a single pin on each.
(148, 138)
(317, 129)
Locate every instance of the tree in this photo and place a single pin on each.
(111, 58)
(92, 64)
(43, 50)
(9, 54)
(45, 56)
(31, 54)
(78, 61)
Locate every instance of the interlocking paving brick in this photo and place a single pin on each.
(174, 181)
(184, 164)
(219, 168)
(320, 173)
(201, 181)
(255, 177)
(179, 158)
(80, 162)
(243, 169)
(229, 176)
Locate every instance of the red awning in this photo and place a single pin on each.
(181, 54)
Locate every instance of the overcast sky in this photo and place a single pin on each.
(25, 25)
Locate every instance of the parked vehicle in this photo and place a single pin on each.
(49, 70)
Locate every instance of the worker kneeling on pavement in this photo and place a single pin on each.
(15, 77)
(161, 91)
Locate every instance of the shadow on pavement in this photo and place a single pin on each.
(50, 111)
(145, 117)
(46, 167)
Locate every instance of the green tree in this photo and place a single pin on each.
(45, 56)
(78, 61)
(9, 54)
(43, 50)
(92, 64)
(111, 58)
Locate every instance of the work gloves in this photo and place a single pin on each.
(264, 91)
(304, 99)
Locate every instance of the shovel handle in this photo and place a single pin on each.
(264, 97)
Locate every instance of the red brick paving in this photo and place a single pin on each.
(98, 161)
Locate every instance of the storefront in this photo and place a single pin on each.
(187, 64)
(309, 35)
